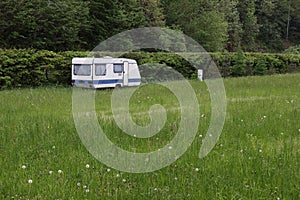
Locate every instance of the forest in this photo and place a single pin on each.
(218, 25)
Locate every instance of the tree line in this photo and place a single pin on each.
(218, 25)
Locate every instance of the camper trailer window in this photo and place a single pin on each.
(118, 68)
(100, 70)
(82, 70)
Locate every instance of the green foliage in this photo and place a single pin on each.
(293, 50)
(260, 68)
(239, 64)
(29, 67)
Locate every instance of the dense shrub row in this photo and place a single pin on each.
(33, 68)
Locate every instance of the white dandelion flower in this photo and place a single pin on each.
(87, 166)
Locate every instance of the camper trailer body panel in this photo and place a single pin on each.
(105, 72)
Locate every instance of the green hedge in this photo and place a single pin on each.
(29, 67)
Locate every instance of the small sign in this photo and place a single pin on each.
(200, 74)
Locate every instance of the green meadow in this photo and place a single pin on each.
(256, 157)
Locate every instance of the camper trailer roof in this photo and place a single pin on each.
(82, 60)
(106, 59)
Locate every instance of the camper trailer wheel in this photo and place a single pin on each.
(118, 86)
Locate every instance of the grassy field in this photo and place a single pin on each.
(257, 156)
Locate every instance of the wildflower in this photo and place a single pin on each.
(59, 171)
(197, 169)
(108, 170)
(78, 184)
(299, 129)
(124, 180)
(170, 147)
(53, 147)
(155, 189)
(84, 187)
(50, 172)
(29, 181)
(87, 166)
(23, 166)
(241, 150)
(118, 175)
(175, 178)
(201, 135)
(281, 133)
(260, 151)
(87, 190)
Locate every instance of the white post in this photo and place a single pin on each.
(200, 74)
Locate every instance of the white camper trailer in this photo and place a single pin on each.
(105, 72)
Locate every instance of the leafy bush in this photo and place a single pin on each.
(293, 50)
(30, 68)
(239, 64)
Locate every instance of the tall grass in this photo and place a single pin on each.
(257, 156)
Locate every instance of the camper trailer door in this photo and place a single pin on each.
(126, 73)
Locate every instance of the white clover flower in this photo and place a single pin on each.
(78, 184)
(29, 181)
(201, 135)
(118, 175)
(175, 178)
(59, 171)
(155, 189)
(84, 187)
(87, 190)
(170, 147)
(197, 169)
(23, 166)
(108, 170)
(260, 151)
(87, 166)
(50, 172)
(124, 180)
(53, 147)
(241, 150)
(299, 129)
